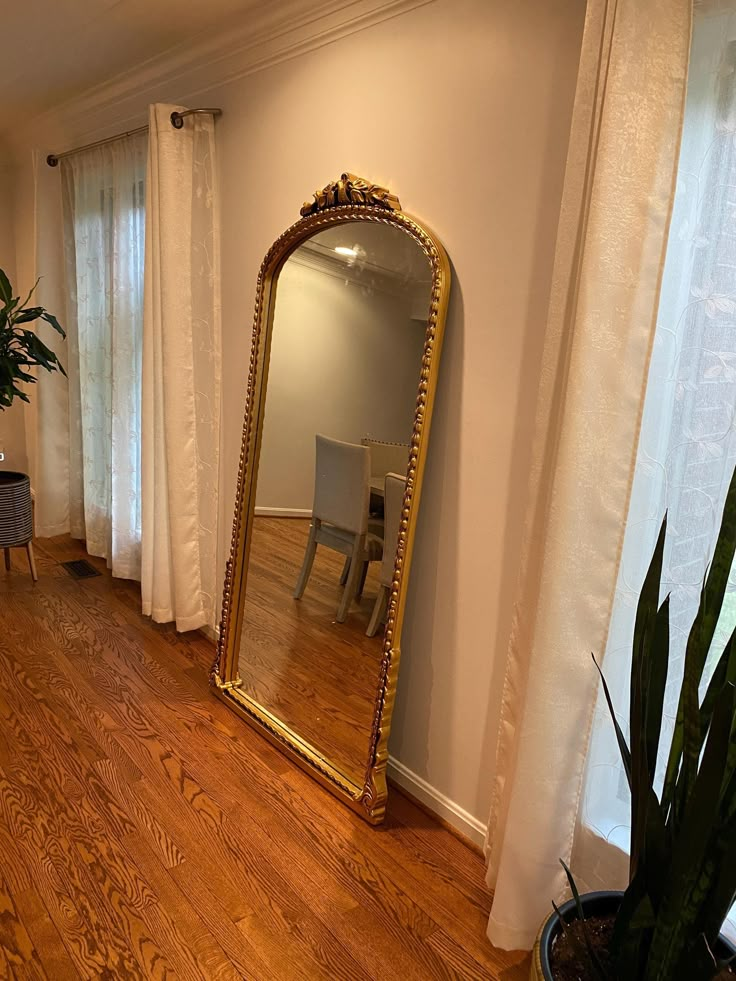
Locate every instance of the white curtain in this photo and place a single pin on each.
(47, 417)
(103, 193)
(687, 448)
(616, 207)
(181, 373)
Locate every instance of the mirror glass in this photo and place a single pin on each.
(349, 325)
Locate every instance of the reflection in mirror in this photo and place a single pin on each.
(348, 335)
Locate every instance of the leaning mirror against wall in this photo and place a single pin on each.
(349, 317)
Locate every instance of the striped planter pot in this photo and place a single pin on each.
(16, 514)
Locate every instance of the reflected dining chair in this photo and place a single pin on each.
(393, 498)
(340, 514)
(386, 458)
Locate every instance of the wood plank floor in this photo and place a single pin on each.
(146, 832)
(318, 676)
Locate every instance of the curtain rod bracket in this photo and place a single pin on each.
(177, 118)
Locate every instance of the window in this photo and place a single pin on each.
(104, 235)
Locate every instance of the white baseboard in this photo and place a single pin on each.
(283, 512)
(457, 817)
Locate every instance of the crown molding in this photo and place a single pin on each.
(282, 31)
(365, 275)
(319, 257)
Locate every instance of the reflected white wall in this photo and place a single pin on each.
(345, 363)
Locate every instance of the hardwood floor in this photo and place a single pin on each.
(146, 832)
(318, 676)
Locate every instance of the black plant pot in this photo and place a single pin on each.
(594, 904)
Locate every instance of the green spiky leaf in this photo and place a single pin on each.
(6, 290)
(621, 739)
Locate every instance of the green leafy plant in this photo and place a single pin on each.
(21, 349)
(682, 873)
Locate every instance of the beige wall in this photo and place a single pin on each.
(462, 108)
(12, 421)
(37, 243)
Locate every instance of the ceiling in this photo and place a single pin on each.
(56, 49)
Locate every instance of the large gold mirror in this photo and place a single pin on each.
(350, 310)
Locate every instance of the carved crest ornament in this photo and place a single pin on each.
(351, 190)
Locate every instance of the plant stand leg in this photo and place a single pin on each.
(31, 561)
(7, 559)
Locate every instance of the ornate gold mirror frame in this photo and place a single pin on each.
(351, 199)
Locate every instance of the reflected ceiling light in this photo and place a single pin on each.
(344, 250)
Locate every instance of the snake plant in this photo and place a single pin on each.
(20, 348)
(682, 873)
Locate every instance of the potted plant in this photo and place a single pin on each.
(20, 349)
(682, 871)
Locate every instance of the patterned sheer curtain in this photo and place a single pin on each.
(687, 448)
(103, 200)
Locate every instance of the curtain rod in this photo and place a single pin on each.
(177, 121)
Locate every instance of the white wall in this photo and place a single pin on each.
(345, 362)
(462, 108)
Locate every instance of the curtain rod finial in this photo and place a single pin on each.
(52, 161)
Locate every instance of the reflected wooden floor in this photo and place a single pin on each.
(318, 676)
(147, 832)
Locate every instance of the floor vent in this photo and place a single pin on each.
(80, 569)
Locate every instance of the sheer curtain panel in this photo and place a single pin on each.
(47, 416)
(103, 193)
(181, 373)
(616, 208)
(687, 448)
